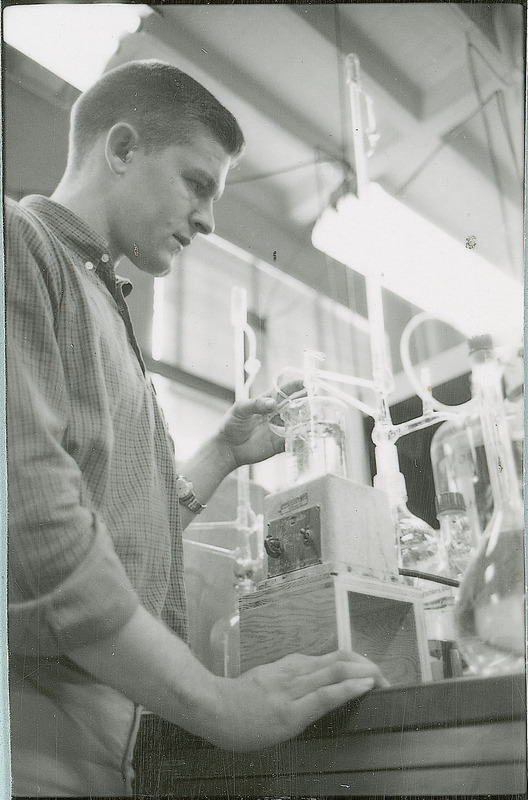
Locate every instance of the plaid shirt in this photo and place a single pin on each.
(93, 519)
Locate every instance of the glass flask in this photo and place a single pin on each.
(490, 612)
(315, 438)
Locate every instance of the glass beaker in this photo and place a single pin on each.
(315, 438)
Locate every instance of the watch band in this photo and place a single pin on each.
(192, 503)
(186, 495)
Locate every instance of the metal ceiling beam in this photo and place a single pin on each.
(338, 30)
(168, 26)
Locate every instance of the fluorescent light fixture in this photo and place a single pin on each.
(73, 40)
(378, 235)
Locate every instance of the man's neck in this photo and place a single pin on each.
(86, 201)
(79, 200)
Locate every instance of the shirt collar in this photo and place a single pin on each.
(91, 247)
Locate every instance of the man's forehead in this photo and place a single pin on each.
(205, 152)
(208, 161)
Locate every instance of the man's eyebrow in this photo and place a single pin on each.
(208, 183)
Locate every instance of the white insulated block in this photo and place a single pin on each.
(356, 528)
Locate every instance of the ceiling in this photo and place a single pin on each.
(446, 85)
(446, 82)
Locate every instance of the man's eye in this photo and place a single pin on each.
(197, 187)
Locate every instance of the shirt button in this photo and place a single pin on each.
(89, 265)
(105, 258)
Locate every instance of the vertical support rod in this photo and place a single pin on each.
(380, 368)
(239, 323)
(354, 86)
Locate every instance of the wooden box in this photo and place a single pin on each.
(322, 608)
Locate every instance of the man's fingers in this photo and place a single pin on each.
(303, 664)
(263, 404)
(260, 405)
(316, 704)
(349, 655)
(332, 674)
(296, 690)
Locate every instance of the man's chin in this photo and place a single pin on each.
(157, 267)
(163, 270)
(163, 267)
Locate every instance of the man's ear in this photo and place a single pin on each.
(121, 140)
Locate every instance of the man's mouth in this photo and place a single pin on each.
(181, 241)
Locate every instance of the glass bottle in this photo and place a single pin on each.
(458, 538)
(420, 549)
(459, 465)
(458, 457)
(490, 612)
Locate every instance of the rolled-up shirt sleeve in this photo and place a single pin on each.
(67, 585)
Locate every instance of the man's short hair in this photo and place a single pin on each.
(165, 106)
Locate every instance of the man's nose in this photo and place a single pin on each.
(203, 219)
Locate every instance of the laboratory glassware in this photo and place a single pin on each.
(224, 639)
(490, 612)
(457, 536)
(314, 437)
(422, 560)
(458, 458)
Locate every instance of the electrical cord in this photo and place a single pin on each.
(428, 576)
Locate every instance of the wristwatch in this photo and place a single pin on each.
(186, 495)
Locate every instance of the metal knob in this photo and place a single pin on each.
(273, 546)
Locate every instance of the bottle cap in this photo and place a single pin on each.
(482, 342)
(449, 502)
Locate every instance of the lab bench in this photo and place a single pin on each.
(461, 737)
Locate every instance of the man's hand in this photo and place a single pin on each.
(244, 437)
(265, 705)
(272, 703)
(246, 433)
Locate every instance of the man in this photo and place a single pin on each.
(96, 508)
